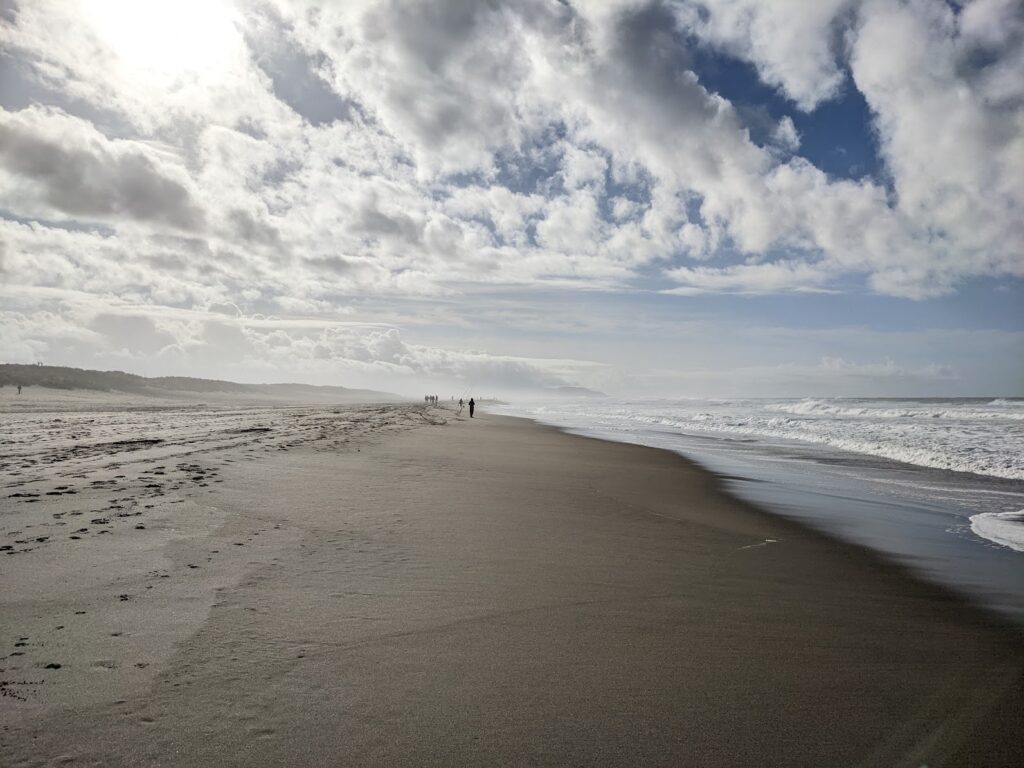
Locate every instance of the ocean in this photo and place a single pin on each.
(935, 484)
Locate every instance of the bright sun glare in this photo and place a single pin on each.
(166, 39)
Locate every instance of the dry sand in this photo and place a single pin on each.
(399, 586)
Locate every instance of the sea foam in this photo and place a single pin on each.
(1003, 528)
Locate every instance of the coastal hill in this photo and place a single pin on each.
(59, 377)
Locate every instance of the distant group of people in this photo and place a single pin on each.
(433, 400)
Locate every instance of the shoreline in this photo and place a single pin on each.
(435, 590)
(851, 497)
(1001, 619)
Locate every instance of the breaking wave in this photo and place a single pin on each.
(821, 407)
(982, 436)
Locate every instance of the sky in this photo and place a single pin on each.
(648, 199)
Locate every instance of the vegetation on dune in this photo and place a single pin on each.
(59, 377)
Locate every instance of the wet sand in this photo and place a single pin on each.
(394, 586)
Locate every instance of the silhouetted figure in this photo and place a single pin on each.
(472, 407)
(19, 389)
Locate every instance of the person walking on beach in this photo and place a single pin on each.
(472, 407)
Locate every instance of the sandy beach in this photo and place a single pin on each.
(395, 585)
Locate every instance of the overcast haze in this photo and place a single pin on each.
(729, 197)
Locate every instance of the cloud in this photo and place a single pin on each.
(641, 349)
(297, 78)
(533, 143)
(951, 138)
(383, 351)
(62, 164)
(443, 78)
(778, 277)
(785, 135)
(81, 330)
(302, 159)
(793, 43)
(886, 369)
(130, 59)
(133, 334)
(829, 377)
